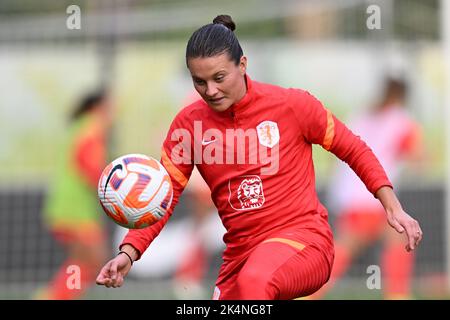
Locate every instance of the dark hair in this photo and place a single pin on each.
(214, 39)
(89, 102)
(395, 88)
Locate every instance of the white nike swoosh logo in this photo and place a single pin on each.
(206, 142)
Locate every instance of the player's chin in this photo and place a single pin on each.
(220, 105)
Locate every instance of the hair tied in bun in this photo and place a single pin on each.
(225, 20)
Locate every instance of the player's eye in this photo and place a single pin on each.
(219, 78)
(199, 82)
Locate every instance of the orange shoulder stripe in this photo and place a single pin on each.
(329, 134)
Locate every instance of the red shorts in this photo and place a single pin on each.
(367, 224)
(279, 268)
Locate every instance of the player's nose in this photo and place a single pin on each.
(211, 90)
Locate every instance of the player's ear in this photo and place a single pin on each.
(243, 65)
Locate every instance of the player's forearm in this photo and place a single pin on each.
(388, 199)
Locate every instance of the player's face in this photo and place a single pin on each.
(218, 80)
(107, 109)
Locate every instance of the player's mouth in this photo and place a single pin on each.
(216, 100)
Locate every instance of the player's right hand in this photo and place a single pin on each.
(114, 272)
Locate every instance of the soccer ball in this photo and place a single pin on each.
(135, 191)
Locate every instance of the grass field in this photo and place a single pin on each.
(163, 290)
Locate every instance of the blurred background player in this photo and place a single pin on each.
(71, 212)
(395, 137)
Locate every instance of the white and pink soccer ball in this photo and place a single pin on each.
(135, 191)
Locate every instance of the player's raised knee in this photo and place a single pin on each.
(254, 283)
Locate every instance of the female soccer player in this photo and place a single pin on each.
(72, 210)
(252, 144)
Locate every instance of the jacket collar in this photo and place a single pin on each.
(246, 99)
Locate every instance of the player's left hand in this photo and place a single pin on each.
(404, 223)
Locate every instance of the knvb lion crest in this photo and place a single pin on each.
(246, 192)
(268, 134)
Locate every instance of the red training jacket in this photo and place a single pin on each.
(263, 186)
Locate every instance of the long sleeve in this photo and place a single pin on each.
(320, 126)
(179, 171)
